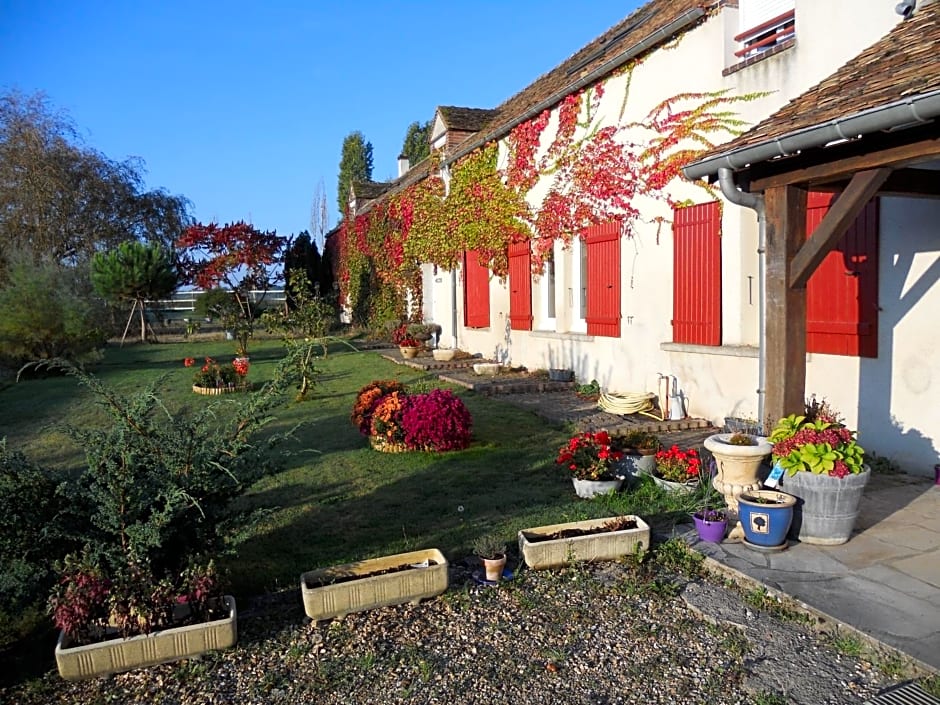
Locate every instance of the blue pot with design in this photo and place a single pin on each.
(766, 516)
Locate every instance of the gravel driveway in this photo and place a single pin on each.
(601, 633)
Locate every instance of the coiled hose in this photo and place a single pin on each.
(628, 403)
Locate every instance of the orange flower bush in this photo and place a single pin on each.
(367, 399)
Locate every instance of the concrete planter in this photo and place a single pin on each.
(443, 354)
(600, 546)
(363, 586)
(586, 489)
(826, 506)
(117, 655)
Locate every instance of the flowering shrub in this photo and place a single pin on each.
(368, 398)
(403, 338)
(589, 456)
(241, 365)
(817, 443)
(387, 418)
(677, 465)
(435, 420)
(212, 374)
(438, 420)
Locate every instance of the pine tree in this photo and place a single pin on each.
(417, 145)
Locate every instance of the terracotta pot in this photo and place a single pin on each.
(493, 568)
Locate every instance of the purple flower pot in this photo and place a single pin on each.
(711, 531)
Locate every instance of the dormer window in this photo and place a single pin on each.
(765, 25)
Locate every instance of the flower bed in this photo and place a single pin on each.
(396, 420)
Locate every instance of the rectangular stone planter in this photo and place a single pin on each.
(117, 655)
(324, 598)
(602, 546)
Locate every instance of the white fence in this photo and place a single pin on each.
(185, 301)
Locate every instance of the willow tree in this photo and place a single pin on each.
(134, 272)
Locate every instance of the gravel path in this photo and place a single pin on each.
(603, 633)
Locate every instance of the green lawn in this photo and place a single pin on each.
(336, 500)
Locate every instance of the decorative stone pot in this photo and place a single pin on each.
(409, 352)
(766, 516)
(826, 506)
(737, 470)
(443, 354)
(586, 489)
(711, 531)
(117, 655)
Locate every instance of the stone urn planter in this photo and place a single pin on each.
(118, 655)
(826, 507)
(737, 470)
(376, 582)
(592, 540)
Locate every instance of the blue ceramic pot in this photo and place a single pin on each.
(766, 516)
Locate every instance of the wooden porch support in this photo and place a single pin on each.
(843, 213)
(785, 212)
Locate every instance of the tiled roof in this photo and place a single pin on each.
(368, 190)
(465, 119)
(904, 63)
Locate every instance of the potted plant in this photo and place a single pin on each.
(408, 344)
(443, 354)
(766, 516)
(738, 457)
(639, 450)
(213, 378)
(591, 460)
(490, 548)
(677, 470)
(602, 539)
(824, 468)
(560, 374)
(711, 519)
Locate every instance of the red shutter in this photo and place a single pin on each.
(603, 279)
(520, 286)
(476, 291)
(696, 278)
(842, 294)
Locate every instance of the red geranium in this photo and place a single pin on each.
(677, 465)
(589, 456)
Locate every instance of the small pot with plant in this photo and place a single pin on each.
(711, 518)
(490, 548)
(407, 343)
(592, 461)
(677, 470)
(766, 516)
(639, 450)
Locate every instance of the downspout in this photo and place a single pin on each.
(453, 303)
(755, 202)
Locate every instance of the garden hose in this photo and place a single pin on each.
(629, 403)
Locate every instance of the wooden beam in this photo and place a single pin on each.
(911, 183)
(843, 213)
(833, 163)
(785, 315)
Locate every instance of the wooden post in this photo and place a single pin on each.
(785, 210)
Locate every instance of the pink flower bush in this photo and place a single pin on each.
(438, 420)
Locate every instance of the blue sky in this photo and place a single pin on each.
(242, 107)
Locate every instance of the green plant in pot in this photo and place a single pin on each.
(711, 518)
(639, 449)
(490, 548)
(824, 467)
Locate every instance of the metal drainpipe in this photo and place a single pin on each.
(755, 202)
(453, 302)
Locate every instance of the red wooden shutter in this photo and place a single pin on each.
(476, 291)
(842, 294)
(696, 277)
(603, 279)
(520, 286)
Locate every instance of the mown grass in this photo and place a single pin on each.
(335, 500)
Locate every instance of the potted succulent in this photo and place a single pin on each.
(591, 460)
(677, 470)
(639, 450)
(824, 468)
(490, 548)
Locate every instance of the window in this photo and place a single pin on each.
(764, 24)
(600, 281)
(520, 286)
(842, 294)
(577, 291)
(696, 278)
(476, 291)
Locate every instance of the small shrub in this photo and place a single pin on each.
(367, 398)
(438, 420)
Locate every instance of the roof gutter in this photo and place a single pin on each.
(900, 114)
(684, 20)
